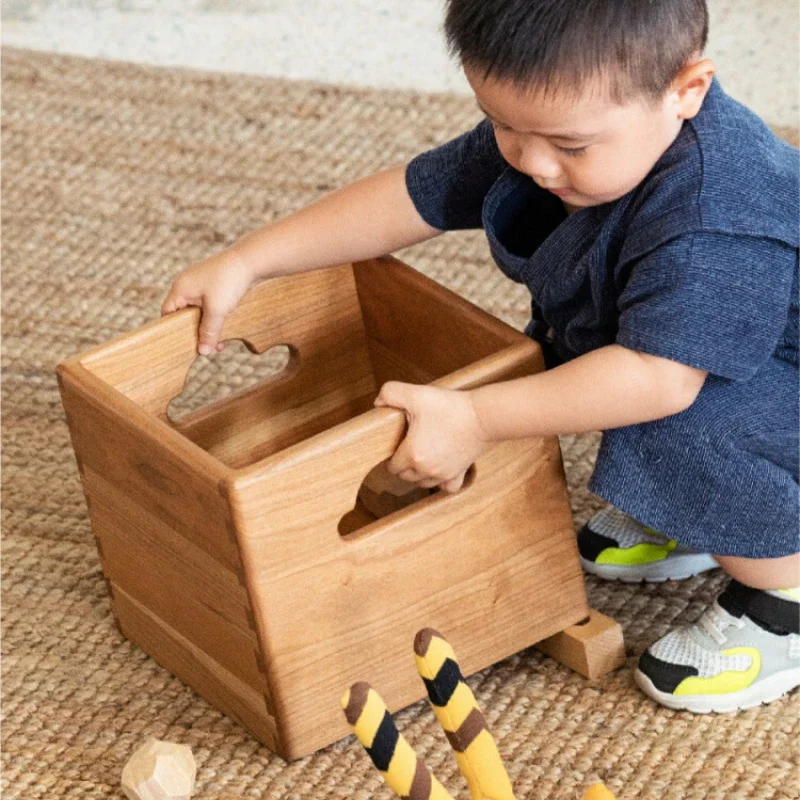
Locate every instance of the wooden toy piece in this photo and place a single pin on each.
(237, 552)
(159, 770)
(592, 647)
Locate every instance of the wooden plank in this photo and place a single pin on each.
(325, 389)
(308, 311)
(177, 581)
(196, 668)
(389, 365)
(145, 459)
(148, 365)
(495, 568)
(437, 331)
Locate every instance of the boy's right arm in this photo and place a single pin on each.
(366, 219)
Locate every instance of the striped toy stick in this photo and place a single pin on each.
(458, 713)
(405, 773)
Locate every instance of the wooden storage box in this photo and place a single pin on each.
(235, 550)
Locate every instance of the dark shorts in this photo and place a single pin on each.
(720, 477)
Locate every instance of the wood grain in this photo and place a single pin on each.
(258, 548)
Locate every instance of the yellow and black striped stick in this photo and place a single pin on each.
(458, 713)
(406, 775)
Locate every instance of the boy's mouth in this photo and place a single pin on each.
(561, 192)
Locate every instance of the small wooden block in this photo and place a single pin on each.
(159, 771)
(592, 648)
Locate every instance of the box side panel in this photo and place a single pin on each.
(179, 583)
(495, 568)
(122, 444)
(327, 384)
(148, 365)
(419, 329)
(192, 665)
(167, 545)
(304, 311)
(390, 365)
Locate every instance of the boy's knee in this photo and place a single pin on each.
(763, 573)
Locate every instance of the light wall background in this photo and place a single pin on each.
(378, 43)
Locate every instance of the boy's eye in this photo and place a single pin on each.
(569, 151)
(572, 151)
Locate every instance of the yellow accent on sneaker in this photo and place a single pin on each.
(643, 553)
(732, 680)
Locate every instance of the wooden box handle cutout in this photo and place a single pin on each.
(269, 365)
(382, 494)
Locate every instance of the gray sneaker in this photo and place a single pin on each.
(615, 546)
(742, 652)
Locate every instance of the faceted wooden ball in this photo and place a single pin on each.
(159, 771)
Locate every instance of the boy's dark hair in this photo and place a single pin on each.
(636, 47)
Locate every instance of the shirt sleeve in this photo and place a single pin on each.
(714, 301)
(448, 184)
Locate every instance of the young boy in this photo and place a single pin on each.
(655, 222)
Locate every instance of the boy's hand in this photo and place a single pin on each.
(444, 435)
(216, 285)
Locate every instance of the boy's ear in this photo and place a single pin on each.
(690, 87)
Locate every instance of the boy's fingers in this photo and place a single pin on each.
(173, 303)
(385, 395)
(402, 465)
(454, 484)
(395, 394)
(210, 328)
(168, 306)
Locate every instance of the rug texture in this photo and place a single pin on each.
(115, 178)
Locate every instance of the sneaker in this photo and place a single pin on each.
(743, 651)
(615, 546)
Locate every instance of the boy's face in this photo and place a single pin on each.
(587, 151)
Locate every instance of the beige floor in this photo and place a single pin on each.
(116, 177)
(379, 43)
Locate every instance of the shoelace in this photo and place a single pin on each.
(716, 620)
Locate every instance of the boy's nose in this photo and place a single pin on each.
(540, 165)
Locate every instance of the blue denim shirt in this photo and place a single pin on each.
(699, 264)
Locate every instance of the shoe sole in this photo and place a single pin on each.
(672, 568)
(760, 693)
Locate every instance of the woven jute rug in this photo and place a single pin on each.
(115, 178)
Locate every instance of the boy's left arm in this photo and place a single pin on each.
(610, 387)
